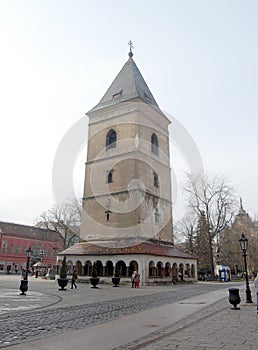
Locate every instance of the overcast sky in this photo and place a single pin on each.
(199, 59)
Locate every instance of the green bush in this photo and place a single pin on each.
(117, 272)
(94, 271)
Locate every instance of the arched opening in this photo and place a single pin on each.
(160, 269)
(187, 270)
(99, 267)
(109, 268)
(181, 271)
(167, 269)
(152, 269)
(78, 268)
(111, 139)
(121, 268)
(133, 266)
(174, 273)
(193, 271)
(69, 265)
(87, 268)
(154, 144)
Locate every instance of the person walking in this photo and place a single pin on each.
(73, 280)
(133, 279)
(256, 287)
(137, 280)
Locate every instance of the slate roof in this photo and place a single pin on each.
(31, 232)
(128, 85)
(109, 248)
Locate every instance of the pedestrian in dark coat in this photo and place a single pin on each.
(73, 280)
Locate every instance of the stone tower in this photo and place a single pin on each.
(127, 189)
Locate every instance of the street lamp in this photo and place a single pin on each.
(28, 253)
(24, 281)
(244, 245)
(55, 266)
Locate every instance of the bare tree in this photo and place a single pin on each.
(64, 218)
(213, 200)
(185, 233)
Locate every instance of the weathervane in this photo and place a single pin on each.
(131, 47)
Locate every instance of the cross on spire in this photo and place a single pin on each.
(130, 54)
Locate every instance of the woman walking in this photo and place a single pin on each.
(137, 280)
(73, 280)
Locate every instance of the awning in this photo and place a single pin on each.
(39, 264)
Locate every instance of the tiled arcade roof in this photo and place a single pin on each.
(112, 248)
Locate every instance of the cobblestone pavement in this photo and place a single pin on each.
(11, 301)
(25, 326)
(215, 327)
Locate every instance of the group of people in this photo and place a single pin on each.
(135, 279)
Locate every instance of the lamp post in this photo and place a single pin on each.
(24, 281)
(42, 255)
(55, 252)
(244, 245)
(28, 253)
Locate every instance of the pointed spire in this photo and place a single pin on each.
(128, 85)
(241, 210)
(241, 204)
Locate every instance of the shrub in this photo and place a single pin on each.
(117, 272)
(94, 271)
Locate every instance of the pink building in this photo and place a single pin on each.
(16, 238)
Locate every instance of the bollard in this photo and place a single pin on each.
(234, 298)
(23, 286)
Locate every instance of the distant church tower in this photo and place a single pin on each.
(127, 190)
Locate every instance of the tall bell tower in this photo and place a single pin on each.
(127, 189)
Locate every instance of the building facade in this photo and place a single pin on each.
(229, 248)
(127, 205)
(15, 239)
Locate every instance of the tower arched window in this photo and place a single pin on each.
(155, 180)
(110, 177)
(111, 139)
(154, 144)
(107, 215)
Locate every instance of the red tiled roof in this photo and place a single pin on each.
(108, 248)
